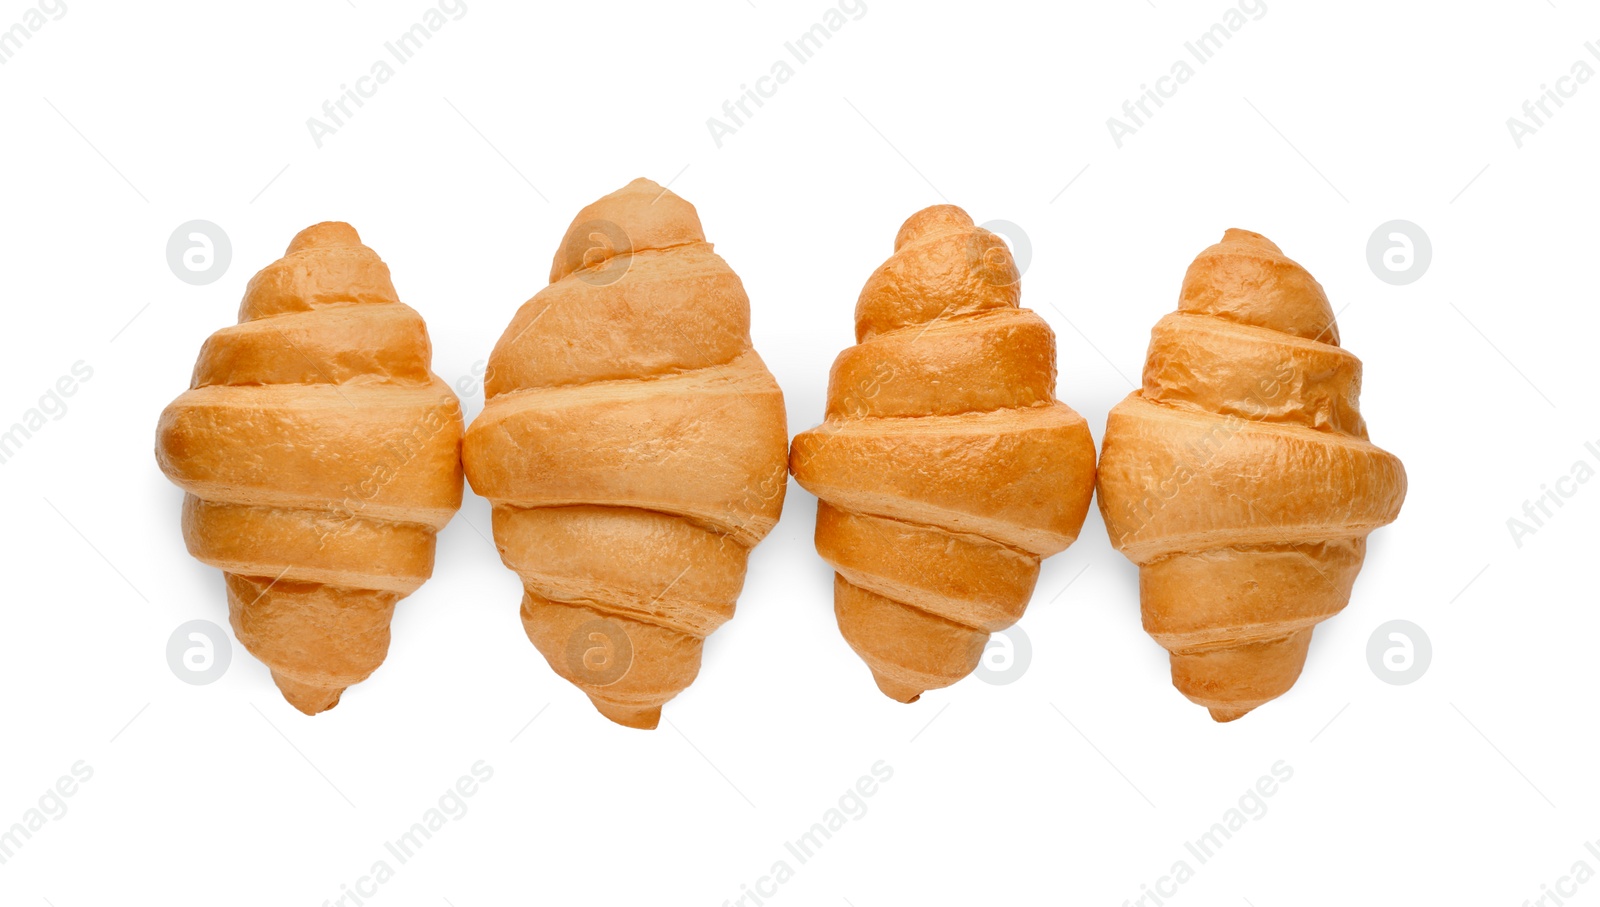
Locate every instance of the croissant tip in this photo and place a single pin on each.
(326, 234)
(932, 220)
(894, 689)
(308, 698)
(1223, 716)
(645, 718)
(1242, 237)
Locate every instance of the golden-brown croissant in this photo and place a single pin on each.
(632, 443)
(319, 456)
(1240, 478)
(946, 468)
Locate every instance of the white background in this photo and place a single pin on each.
(1080, 782)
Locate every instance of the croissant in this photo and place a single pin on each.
(632, 443)
(1240, 478)
(319, 457)
(945, 469)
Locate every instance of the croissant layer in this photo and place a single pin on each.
(319, 457)
(946, 469)
(1239, 477)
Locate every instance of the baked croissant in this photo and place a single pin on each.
(1240, 478)
(632, 443)
(946, 468)
(319, 457)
